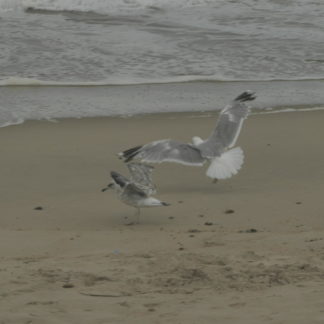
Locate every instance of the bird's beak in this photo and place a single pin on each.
(110, 186)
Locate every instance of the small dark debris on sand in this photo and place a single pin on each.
(298, 202)
(229, 211)
(38, 208)
(171, 217)
(208, 223)
(194, 230)
(250, 230)
(314, 239)
(68, 285)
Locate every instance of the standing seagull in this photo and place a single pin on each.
(217, 148)
(137, 191)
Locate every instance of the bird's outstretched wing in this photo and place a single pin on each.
(141, 175)
(165, 151)
(119, 179)
(132, 190)
(228, 126)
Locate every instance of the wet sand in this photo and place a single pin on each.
(245, 250)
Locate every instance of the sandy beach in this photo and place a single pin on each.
(245, 250)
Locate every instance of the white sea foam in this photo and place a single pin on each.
(76, 101)
(21, 120)
(288, 110)
(10, 5)
(20, 81)
(12, 122)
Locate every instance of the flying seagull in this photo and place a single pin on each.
(137, 190)
(225, 161)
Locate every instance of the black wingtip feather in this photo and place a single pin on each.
(131, 150)
(129, 154)
(246, 96)
(130, 158)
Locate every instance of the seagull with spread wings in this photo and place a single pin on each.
(225, 161)
(137, 190)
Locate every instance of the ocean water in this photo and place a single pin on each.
(79, 58)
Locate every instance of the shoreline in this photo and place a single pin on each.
(188, 262)
(51, 102)
(185, 114)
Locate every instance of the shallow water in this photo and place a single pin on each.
(51, 102)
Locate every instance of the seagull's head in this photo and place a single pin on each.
(196, 140)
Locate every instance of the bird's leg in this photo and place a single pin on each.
(127, 222)
(137, 213)
(215, 180)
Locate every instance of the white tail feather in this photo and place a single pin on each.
(226, 165)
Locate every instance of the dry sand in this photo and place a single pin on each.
(246, 250)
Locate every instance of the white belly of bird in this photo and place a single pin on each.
(145, 202)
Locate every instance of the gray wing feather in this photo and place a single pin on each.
(227, 129)
(133, 191)
(170, 151)
(141, 175)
